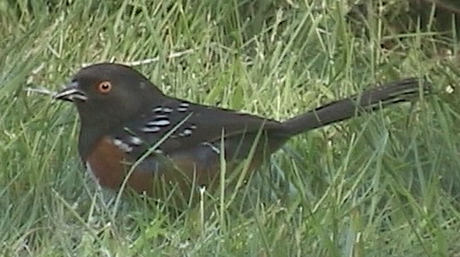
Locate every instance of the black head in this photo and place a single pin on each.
(109, 92)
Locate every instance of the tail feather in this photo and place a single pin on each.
(368, 101)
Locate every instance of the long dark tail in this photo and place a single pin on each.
(370, 100)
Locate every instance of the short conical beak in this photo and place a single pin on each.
(71, 93)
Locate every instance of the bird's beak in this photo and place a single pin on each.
(71, 92)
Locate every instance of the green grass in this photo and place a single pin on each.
(385, 184)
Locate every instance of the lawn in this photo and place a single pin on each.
(383, 184)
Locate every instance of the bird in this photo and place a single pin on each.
(133, 136)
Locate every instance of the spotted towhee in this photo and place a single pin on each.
(132, 134)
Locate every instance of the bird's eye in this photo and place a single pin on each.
(104, 87)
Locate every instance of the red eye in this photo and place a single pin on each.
(104, 87)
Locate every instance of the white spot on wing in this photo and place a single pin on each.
(135, 141)
(162, 123)
(167, 110)
(186, 132)
(122, 145)
(150, 129)
(117, 142)
(183, 107)
(162, 109)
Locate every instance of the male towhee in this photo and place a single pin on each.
(133, 133)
